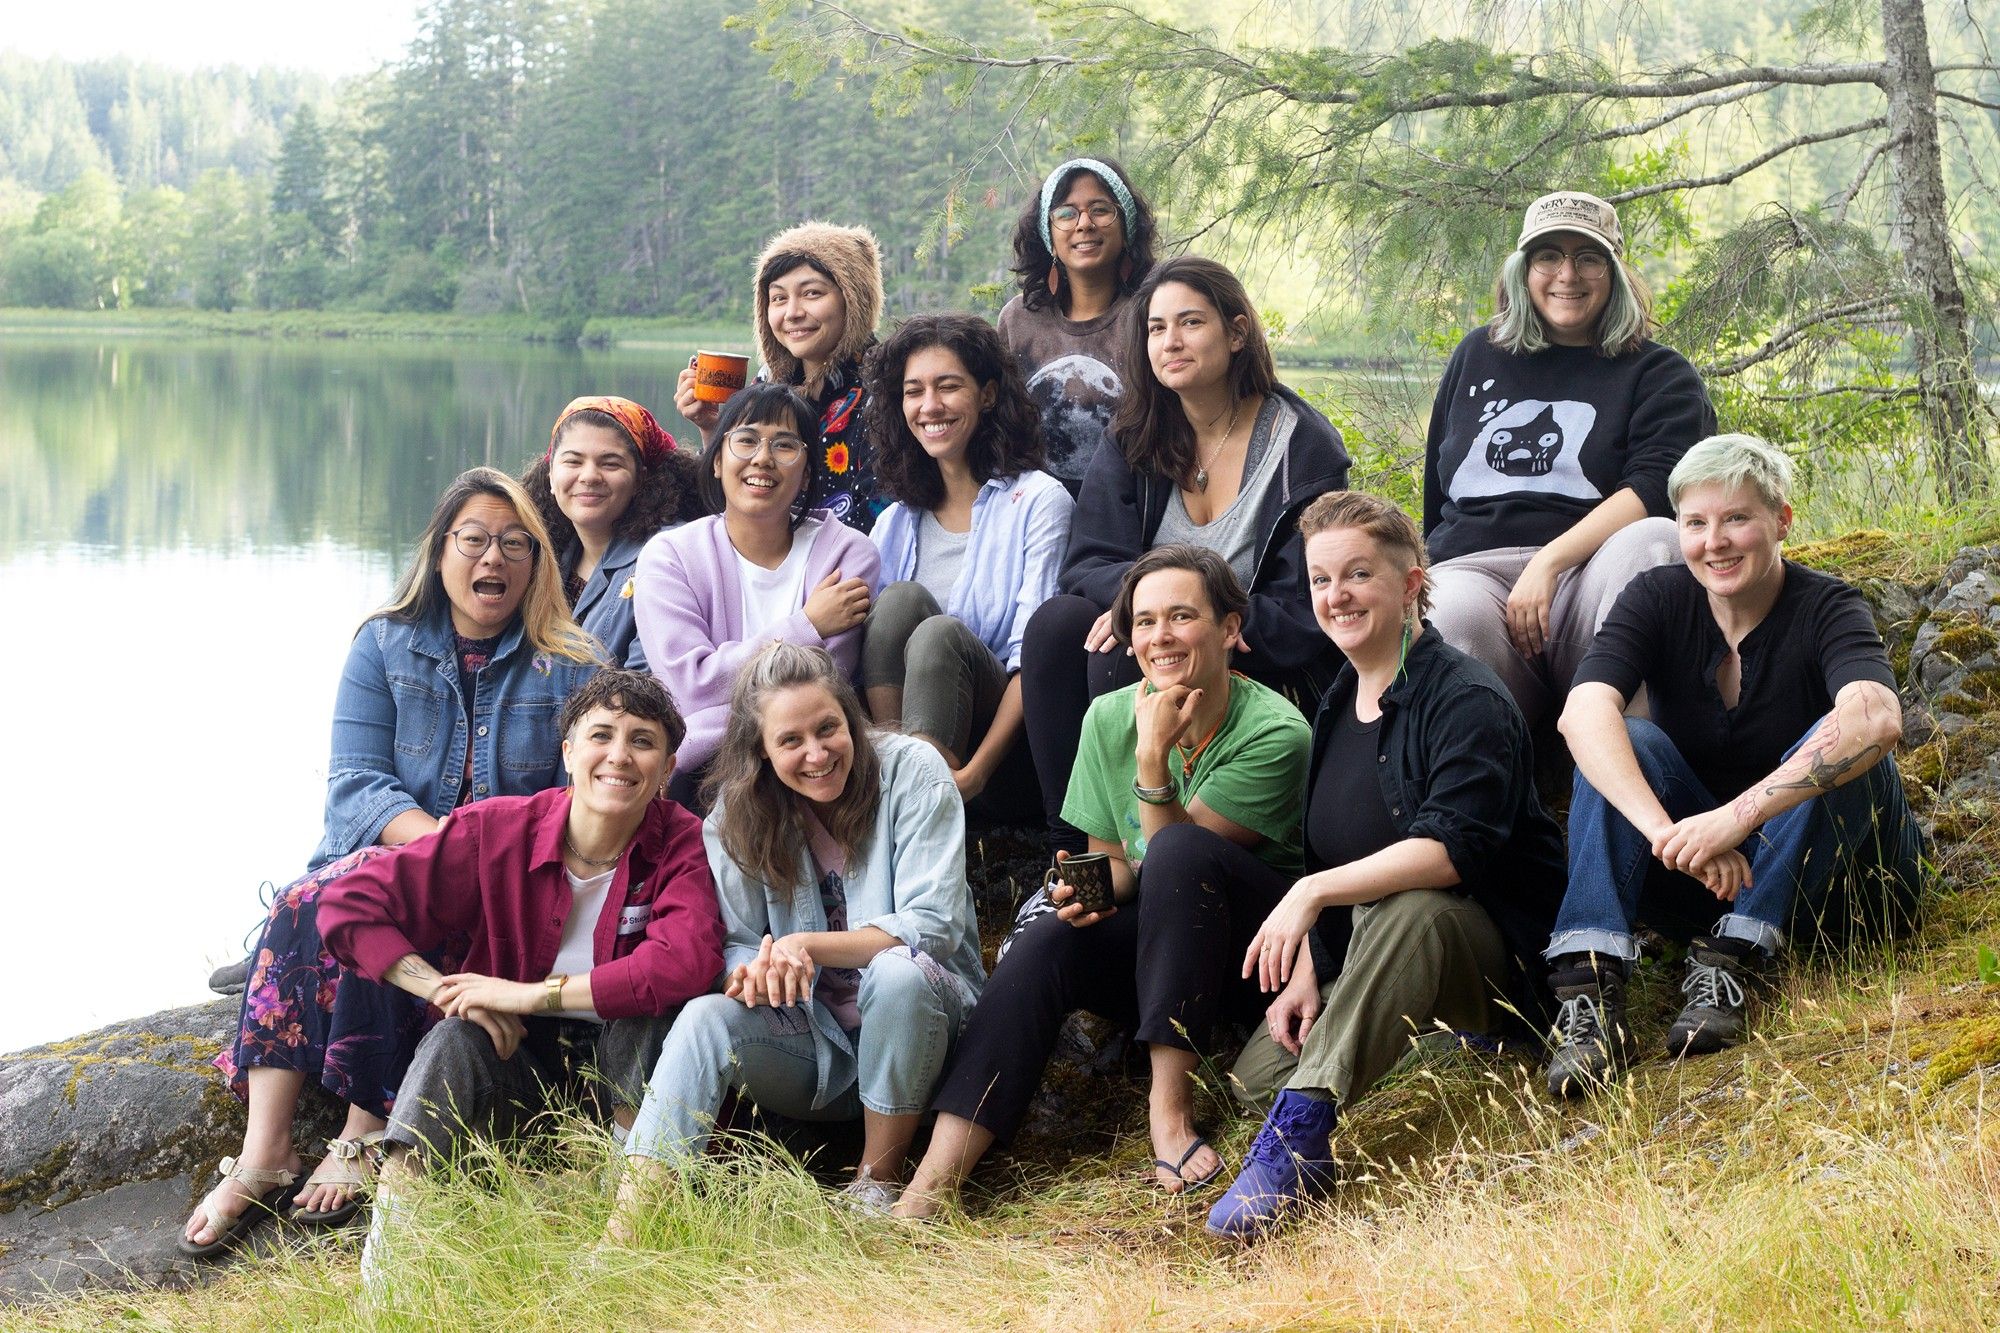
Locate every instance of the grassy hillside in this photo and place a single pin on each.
(1840, 1171)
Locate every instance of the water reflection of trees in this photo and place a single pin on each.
(137, 444)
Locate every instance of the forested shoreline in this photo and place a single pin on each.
(555, 159)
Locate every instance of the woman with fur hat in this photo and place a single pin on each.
(818, 298)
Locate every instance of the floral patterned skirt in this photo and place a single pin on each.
(302, 1010)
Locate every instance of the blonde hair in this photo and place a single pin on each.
(1384, 524)
(1733, 462)
(546, 623)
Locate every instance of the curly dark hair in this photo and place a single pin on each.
(1008, 440)
(634, 693)
(664, 492)
(1032, 260)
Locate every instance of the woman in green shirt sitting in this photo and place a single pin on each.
(1190, 781)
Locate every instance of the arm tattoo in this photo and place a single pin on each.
(413, 968)
(1823, 774)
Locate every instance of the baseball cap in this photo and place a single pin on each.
(1572, 210)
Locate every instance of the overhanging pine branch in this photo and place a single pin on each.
(1722, 97)
(1745, 168)
(1793, 334)
(1972, 101)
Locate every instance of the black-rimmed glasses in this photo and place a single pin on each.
(472, 541)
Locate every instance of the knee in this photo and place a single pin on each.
(936, 648)
(899, 982)
(702, 1034)
(1650, 745)
(1057, 627)
(1640, 546)
(1181, 856)
(1469, 618)
(904, 604)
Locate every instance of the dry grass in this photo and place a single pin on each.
(1814, 1179)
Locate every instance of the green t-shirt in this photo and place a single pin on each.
(1253, 773)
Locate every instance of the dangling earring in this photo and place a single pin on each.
(1055, 277)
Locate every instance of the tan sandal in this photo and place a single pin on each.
(267, 1188)
(353, 1164)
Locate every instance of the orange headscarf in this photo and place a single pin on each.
(654, 443)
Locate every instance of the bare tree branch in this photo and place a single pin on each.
(1973, 101)
(1794, 334)
(1745, 168)
(1721, 98)
(1850, 390)
(1853, 190)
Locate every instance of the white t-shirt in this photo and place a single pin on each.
(769, 595)
(578, 950)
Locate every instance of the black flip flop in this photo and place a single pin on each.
(1191, 1184)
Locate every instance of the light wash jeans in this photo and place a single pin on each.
(912, 1010)
(1863, 828)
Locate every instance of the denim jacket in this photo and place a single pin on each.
(400, 735)
(908, 879)
(1020, 529)
(604, 607)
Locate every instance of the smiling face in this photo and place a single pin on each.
(806, 313)
(1732, 540)
(761, 487)
(807, 740)
(942, 403)
(486, 591)
(1569, 300)
(1361, 595)
(616, 762)
(1187, 341)
(1175, 635)
(1096, 242)
(593, 476)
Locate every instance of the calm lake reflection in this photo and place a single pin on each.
(190, 530)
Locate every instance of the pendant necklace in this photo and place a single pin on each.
(1201, 471)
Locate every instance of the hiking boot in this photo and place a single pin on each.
(1590, 1043)
(1721, 976)
(1290, 1161)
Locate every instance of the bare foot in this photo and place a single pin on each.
(1183, 1160)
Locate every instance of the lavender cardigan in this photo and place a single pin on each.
(689, 605)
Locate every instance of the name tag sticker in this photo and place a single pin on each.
(632, 920)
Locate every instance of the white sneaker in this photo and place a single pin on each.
(865, 1194)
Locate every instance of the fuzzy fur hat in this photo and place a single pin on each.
(851, 258)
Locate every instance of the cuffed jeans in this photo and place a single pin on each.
(1469, 607)
(1416, 959)
(1861, 832)
(912, 1010)
(458, 1085)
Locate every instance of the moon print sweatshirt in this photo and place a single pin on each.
(1521, 447)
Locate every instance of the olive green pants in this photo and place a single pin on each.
(1417, 958)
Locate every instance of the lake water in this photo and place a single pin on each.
(190, 530)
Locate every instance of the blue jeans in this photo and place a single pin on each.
(912, 1010)
(1863, 831)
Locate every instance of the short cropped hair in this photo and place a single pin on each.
(1733, 462)
(634, 693)
(1218, 581)
(1386, 524)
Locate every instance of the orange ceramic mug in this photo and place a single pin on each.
(719, 374)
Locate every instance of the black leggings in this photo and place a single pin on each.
(1169, 962)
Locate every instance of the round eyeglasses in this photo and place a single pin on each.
(472, 541)
(747, 444)
(1064, 216)
(1548, 261)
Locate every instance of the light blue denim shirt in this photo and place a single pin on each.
(400, 735)
(604, 607)
(908, 879)
(1020, 529)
